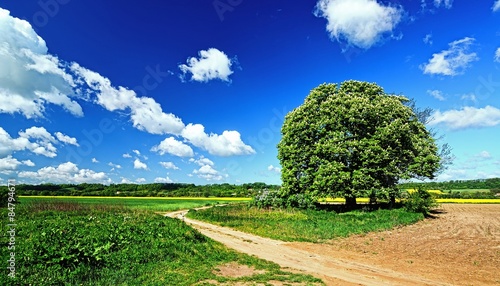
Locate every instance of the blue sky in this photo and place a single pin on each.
(196, 91)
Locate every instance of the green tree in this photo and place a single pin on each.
(353, 139)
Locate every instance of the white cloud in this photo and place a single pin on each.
(28, 163)
(274, 169)
(497, 52)
(169, 165)
(163, 180)
(125, 181)
(66, 139)
(362, 23)
(35, 139)
(202, 161)
(66, 173)
(212, 64)
(146, 114)
(127, 155)
(137, 152)
(140, 180)
(484, 155)
(453, 61)
(467, 117)
(469, 97)
(10, 163)
(437, 94)
(428, 39)
(446, 3)
(117, 166)
(208, 173)
(30, 78)
(496, 6)
(172, 146)
(94, 160)
(227, 144)
(140, 165)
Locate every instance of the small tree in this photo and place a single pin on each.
(353, 139)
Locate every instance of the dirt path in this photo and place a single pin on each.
(410, 255)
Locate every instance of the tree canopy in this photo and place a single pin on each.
(353, 139)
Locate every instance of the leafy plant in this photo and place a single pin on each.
(419, 201)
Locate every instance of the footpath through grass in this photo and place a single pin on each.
(304, 225)
(77, 244)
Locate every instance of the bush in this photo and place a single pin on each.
(7, 194)
(419, 202)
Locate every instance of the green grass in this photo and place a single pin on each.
(304, 225)
(82, 244)
(153, 204)
(468, 190)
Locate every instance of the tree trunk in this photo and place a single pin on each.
(392, 200)
(350, 202)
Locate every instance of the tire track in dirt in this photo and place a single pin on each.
(332, 270)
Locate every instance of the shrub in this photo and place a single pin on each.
(419, 201)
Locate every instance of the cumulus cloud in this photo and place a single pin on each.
(437, 94)
(361, 23)
(208, 173)
(65, 173)
(146, 114)
(94, 160)
(127, 155)
(202, 161)
(66, 139)
(34, 139)
(137, 152)
(497, 52)
(30, 78)
(452, 61)
(496, 6)
(227, 144)
(169, 165)
(117, 166)
(9, 163)
(140, 180)
(445, 3)
(174, 147)
(274, 169)
(140, 165)
(165, 180)
(211, 64)
(467, 117)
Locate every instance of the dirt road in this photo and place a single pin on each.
(461, 246)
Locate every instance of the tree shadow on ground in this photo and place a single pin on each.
(342, 208)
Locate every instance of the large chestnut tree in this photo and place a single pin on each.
(353, 139)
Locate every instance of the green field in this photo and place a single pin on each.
(63, 242)
(160, 204)
(305, 225)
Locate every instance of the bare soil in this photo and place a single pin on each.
(460, 245)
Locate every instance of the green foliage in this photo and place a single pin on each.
(275, 199)
(145, 190)
(305, 225)
(492, 183)
(352, 138)
(78, 245)
(8, 194)
(419, 201)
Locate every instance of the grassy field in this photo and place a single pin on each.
(67, 243)
(159, 204)
(304, 225)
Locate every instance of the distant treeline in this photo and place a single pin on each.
(491, 184)
(143, 190)
(213, 190)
